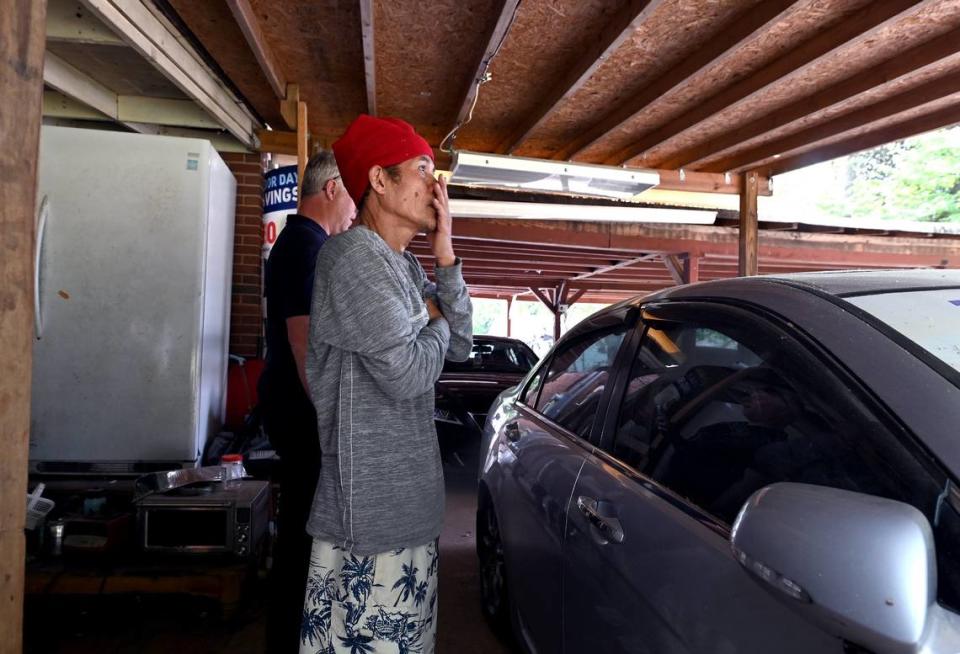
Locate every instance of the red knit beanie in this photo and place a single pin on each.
(370, 142)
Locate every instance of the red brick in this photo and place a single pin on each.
(244, 309)
(245, 168)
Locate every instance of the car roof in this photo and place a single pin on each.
(839, 283)
(497, 339)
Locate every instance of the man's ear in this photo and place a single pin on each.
(377, 179)
(330, 189)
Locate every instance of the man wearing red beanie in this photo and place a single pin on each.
(379, 333)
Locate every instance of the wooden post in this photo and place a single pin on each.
(509, 318)
(302, 135)
(22, 39)
(559, 308)
(691, 268)
(748, 224)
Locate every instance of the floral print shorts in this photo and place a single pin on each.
(382, 604)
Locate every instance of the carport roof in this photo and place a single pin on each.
(710, 88)
(720, 86)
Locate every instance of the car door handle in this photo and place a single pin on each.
(609, 527)
(512, 430)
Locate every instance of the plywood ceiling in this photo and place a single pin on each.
(718, 85)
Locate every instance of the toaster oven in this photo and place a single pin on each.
(212, 518)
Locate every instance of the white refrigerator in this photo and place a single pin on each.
(133, 279)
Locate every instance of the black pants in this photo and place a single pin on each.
(299, 468)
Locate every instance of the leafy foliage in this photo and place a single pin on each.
(916, 179)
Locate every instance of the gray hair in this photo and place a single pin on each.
(321, 168)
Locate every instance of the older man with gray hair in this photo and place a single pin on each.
(325, 209)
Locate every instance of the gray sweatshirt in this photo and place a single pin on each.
(372, 362)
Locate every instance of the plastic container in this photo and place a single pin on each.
(38, 507)
(233, 469)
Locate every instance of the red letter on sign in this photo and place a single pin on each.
(270, 232)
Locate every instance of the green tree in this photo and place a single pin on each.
(915, 179)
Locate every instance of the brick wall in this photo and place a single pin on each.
(246, 311)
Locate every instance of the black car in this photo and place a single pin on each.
(466, 389)
(755, 465)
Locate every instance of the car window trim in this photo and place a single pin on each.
(704, 517)
(556, 429)
(599, 417)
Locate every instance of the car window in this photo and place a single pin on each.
(495, 356)
(715, 413)
(577, 377)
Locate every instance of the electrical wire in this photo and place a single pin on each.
(482, 79)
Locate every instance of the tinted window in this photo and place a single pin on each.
(577, 376)
(716, 412)
(495, 356)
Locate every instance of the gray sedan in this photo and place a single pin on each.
(753, 465)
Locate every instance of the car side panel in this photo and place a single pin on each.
(672, 586)
(530, 480)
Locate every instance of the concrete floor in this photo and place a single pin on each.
(184, 625)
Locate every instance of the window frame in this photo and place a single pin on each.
(624, 353)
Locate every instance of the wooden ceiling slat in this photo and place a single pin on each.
(494, 249)
(926, 123)
(945, 88)
(938, 51)
(495, 39)
(247, 21)
(620, 27)
(369, 54)
(746, 27)
(849, 33)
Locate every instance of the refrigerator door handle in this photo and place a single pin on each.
(41, 229)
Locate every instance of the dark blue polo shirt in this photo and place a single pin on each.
(288, 288)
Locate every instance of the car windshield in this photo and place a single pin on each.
(931, 319)
(495, 356)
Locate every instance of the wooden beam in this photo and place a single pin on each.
(71, 82)
(250, 26)
(543, 298)
(69, 23)
(22, 28)
(495, 39)
(848, 33)
(617, 266)
(302, 137)
(936, 91)
(940, 51)
(691, 269)
(560, 303)
(277, 142)
(163, 111)
(58, 105)
(159, 44)
(369, 55)
(716, 242)
(618, 29)
(749, 238)
(743, 30)
(700, 182)
(675, 267)
(926, 123)
(577, 295)
(288, 106)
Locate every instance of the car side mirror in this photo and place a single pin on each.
(860, 567)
